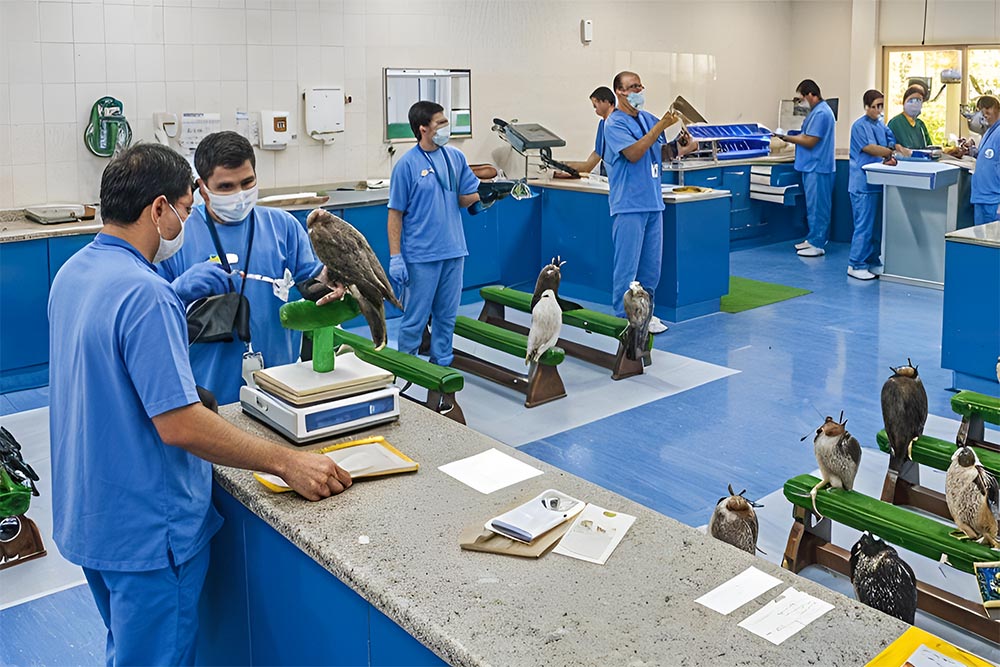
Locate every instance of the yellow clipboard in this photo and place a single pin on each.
(402, 463)
(898, 652)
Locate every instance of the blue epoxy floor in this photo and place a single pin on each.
(800, 360)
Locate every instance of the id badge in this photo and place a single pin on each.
(252, 361)
(655, 169)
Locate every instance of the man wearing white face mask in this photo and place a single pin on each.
(132, 445)
(280, 251)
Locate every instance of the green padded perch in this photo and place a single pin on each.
(899, 526)
(972, 404)
(413, 369)
(510, 342)
(319, 322)
(936, 453)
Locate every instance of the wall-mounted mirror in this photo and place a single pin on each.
(451, 88)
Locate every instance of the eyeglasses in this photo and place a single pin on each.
(635, 87)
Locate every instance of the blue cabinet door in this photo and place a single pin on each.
(482, 266)
(737, 181)
(706, 178)
(24, 294)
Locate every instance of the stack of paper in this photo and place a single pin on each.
(299, 384)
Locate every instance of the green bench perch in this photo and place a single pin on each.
(809, 544)
(497, 297)
(320, 323)
(902, 487)
(976, 409)
(541, 385)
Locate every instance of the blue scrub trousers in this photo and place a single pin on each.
(638, 247)
(152, 616)
(819, 200)
(865, 206)
(983, 213)
(435, 289)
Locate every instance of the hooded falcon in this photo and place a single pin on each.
(973, 497)
(838, 454)
(549, 278)
(639, 311)
(904, 410)
(546, 325)
(882, 580)
(734, 521)
(350, 261)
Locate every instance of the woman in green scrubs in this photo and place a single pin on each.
(909, 130)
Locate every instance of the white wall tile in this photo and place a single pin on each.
(58, 63)
(25, 103)
(61, 183)
(208, 96)
(29, 185)
(27, 144)
(310, 66)
(260, 63)
(310, 161)
(333, 164)
(24, 63)
(119, 24)
(232, 4)
(119, 2)
(19, 21)
(307, 5)
(258, 4)
(149, 62)
(331, 27)
(180, 97)
(332, 6)
(88, 171)
(88, 24)
(258, 26)
(177, 24)
(286, 98)
(55, 21)
(308, 27)
(286, 167)
(285, 64)
(233, 62)
(283, 27)
(178, 62)
(284, 5)
(265, 168)
(5, 148)
(120, 62)
(260, 95)
(4, 104)
(148, 24)
(206, 63)
(151, 97)
(61, 140)
(332, 64)
(176, 3)
(90, 64)
(59, 102)
(234, 98)
(204, 3)
(6, 187)
(354, 29)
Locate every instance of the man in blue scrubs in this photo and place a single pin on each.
(281, 256)
(131, 443)
(871, 141)
(634, 149)
(814, 159)
(430, 186)
(986, 179)
(603, 101)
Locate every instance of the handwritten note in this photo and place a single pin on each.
(781, 618)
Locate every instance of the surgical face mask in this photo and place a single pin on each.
(442, 135)
(168, 248)
(235, 207)
(803, 105)
(881, 117)
(913, 107)
(637, 99)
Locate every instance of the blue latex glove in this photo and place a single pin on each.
(202, 279)
(397, 270)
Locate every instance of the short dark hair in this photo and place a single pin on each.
(421, 114)
(915, 89)
(808, 87)
(603, 94)
(987, 102)
(617, 83)
(139, 175)
(871, 95)
(223, 149)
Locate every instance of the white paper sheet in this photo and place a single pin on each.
(781, 618)
(746, 586)
(489, 471)
(928, 657)
(594, 535)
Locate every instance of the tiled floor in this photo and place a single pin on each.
(800, 360)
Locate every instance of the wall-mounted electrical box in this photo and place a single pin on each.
(271, 130)
(324, 110)
(586, 31)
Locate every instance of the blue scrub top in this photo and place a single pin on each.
(986, 178)
(425, 186)
(280, 241)
(121, 498)
(635, 186)
(820, 158)
(599, 146)
(865, 132)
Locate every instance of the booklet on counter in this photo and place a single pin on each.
(595, 535)
(536, 517)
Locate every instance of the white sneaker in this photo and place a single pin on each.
(877, 270)
(811, 251)
(860, 274)
(802, 246)
(656, 326)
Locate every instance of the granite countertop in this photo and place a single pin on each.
(485, 609)
(987, 235)
(15, 227)
(583, 185)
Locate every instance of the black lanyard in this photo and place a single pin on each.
(222, 253)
